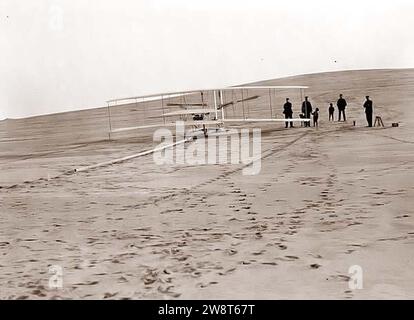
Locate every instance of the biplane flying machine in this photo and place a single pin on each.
(205, 109)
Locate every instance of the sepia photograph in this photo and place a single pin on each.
(206, 150)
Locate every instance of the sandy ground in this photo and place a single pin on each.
(326, 199)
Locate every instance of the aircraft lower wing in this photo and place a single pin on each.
(170, 124)
(186, 105)
(266, 120)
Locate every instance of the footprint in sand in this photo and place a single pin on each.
(122, 279)
(39, 293)
(203, 285)
(223, 273)
(341, 277)
(402, 217)
(291, 258)
(150, 276)
(168, 291)
(4, 244)
(258, 253)
(88, 283)
(231, 252)
(109, 295)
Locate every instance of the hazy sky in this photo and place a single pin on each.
(59, 55)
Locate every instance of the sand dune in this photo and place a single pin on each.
(326, 199)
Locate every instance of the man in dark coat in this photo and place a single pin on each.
(369, 110)
(307, 110)
(341, 104)
(288, 112)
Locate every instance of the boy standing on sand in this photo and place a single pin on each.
(315, 117)
(331, 112)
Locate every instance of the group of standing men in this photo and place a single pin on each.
(341, 104)
(306, 112)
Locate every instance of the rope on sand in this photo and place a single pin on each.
(137, 155)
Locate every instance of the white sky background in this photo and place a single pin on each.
(59, 55)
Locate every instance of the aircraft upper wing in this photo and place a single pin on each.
(186, 105)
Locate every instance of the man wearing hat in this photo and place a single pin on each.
(341, 104)
(369, 110)
(288, 112)
(307, 110)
